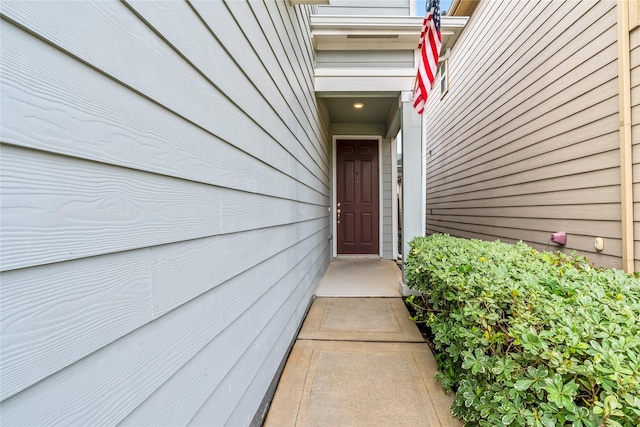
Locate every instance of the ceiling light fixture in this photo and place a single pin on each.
(358, 105)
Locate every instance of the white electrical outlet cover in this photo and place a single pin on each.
(599, 244)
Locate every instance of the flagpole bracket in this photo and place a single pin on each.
(445, 56)
(406, 96)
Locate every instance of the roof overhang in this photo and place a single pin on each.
(341, 87)
(364, 32)
(463, 7)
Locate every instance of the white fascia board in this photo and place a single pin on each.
(365, 72)
(363, 84)
(379, 23)
(345, 24)
(360, 22)
(405, 41)
(294, 2)
(363, 32)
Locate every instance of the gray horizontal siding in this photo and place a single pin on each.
(357, 129)
(371, 7)
(537, 149)
(165, 184)
(364, 59)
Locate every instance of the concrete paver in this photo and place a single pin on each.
(336, 377)
(360, 319)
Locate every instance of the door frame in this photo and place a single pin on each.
(334, 189)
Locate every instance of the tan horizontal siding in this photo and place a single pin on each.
(510, 174)
(592, 195)
(538, 122)
(525, 143)
(599, 212)
(571, 226)
(563, 183)
(524, 233)
(598, 259)
(559, 144)
(520, 62)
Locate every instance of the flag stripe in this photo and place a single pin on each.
(429, 46)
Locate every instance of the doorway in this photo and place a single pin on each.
(357, 196)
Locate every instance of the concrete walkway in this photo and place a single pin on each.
(360, 277)
(360, 362)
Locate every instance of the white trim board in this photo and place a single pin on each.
(423, 185)
(394, 197)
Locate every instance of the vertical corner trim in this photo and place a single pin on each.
(626, 161)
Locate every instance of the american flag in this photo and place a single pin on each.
(429, 46)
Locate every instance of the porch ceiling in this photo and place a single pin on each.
(376, 109)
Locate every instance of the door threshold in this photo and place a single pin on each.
(358, 256)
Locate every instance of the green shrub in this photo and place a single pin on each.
(528, 338)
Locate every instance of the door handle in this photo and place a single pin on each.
(338, 212)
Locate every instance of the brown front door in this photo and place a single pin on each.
(357, 206)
